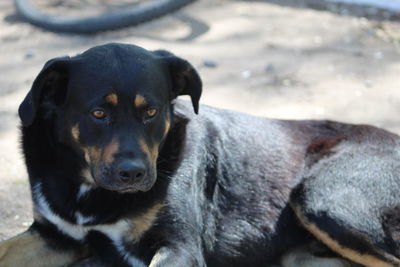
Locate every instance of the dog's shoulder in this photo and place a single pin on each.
(225, 120)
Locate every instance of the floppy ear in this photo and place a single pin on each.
(49, 87)
(185, 79)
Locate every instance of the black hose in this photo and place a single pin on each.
(109, 21)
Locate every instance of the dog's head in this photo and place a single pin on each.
(112, 106)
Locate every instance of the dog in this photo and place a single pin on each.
(122, 173)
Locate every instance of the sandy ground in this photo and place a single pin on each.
(279, 59)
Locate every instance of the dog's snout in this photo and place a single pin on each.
(130, 171)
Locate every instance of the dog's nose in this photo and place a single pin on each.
(130, 171)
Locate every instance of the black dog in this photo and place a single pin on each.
(123, 173)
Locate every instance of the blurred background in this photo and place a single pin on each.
(299, 59)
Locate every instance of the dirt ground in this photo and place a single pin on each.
(281, 59)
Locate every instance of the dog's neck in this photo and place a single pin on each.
(68, 192)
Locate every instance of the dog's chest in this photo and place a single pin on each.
(122, 230)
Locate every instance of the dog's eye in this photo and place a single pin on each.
(99, 114)
(151, 113)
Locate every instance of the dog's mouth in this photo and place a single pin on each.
(108, 181)
(131, 190)
(128, 189)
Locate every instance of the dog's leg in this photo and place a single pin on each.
(373, 257)
(30, 249)
(313, 255)
(342, 219)
(348, 198)
(174, 257)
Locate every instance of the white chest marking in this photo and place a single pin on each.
(114, 231)
(81, 219)
(83, 190)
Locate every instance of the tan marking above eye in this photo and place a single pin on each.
(112, 99)
(99, 114)
(140, 101)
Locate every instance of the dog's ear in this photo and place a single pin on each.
(185, 79)
(49, 88)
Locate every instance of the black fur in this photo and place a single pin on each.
(224, 178)
(352, 191)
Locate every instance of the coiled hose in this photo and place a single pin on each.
(108, 21)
